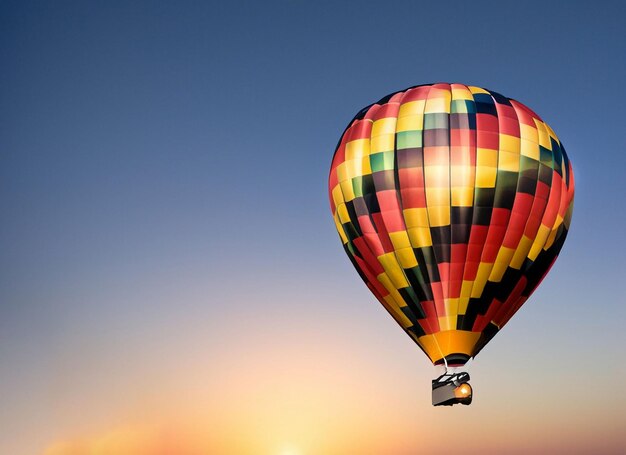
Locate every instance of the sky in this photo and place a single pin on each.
(171, 281)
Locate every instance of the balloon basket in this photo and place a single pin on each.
(452, 388)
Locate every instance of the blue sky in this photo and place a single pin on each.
(163, 176)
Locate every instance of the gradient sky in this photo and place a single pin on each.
(171, 281)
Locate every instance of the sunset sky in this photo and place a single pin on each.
(171, 281)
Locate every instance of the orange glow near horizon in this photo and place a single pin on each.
(313, 390)
(275, 397)
(319, 389)
(281, 398)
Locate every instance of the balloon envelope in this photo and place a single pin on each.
(452, 202)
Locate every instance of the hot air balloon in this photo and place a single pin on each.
(452, 202)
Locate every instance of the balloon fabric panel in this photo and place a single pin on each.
(452, 202)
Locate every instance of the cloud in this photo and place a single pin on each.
(131, 441)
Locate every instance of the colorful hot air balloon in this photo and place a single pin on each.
(452, 202)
